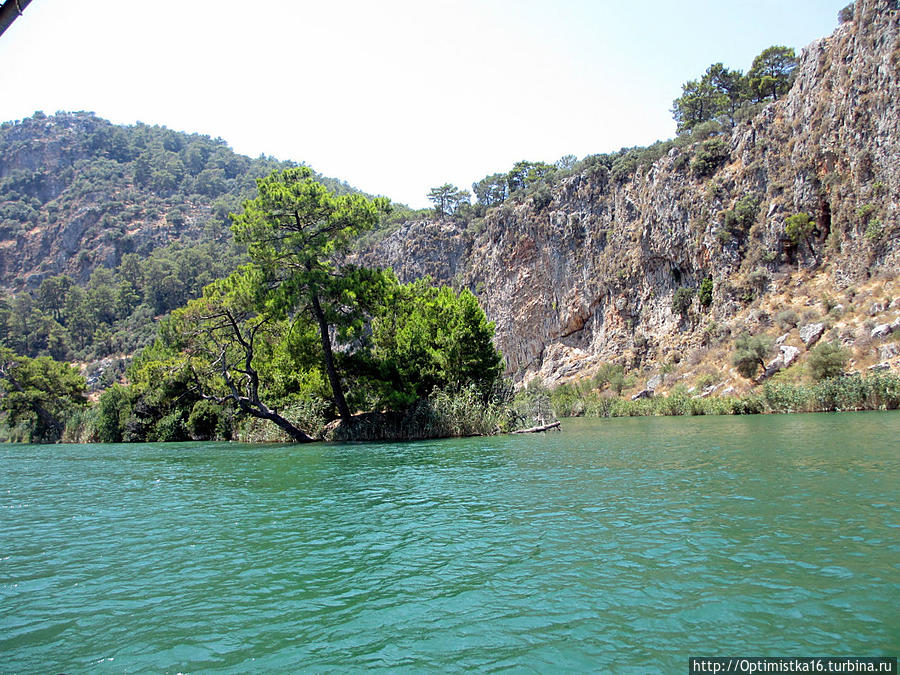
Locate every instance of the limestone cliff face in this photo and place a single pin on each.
(591, 276)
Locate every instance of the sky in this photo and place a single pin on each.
(393, 96)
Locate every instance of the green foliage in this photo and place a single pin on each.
(750, 353)
(772, 72)
(826, 360)
(705, 295)
(457, 412)
(430, 338)
(38, 394)
(115, 181)
(709, 157)
(873, 392)
(113, 412)
(737, 221)
(447, 199)
(541, 198)
(682, 300)
(533, 405)
(491, 190)
(296, 231)
(567, 401)
(799, 227)
(261, 339)
(206, 421)
(874, 230)
(723, 95)
(525, 174)
(715, 96)
(864, 212)
(787, 319)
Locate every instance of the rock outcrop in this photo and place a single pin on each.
(590, 276)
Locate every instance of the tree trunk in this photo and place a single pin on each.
(339, 401)
(285, 425)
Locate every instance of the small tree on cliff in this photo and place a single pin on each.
(447, 198)
(772, 72)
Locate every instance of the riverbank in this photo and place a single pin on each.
(872, 392)
(445, 413)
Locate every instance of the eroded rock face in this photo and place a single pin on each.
(789, 354)
(811, 334)
(881, 331)
(590, 277)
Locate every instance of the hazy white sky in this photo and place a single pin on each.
(393, 96)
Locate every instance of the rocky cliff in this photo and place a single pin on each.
(590, 277)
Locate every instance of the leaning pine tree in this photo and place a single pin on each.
(297, 232)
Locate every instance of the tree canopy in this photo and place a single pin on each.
(772, 72)
(447, 199)
(721, 93)
(296, 230)
(38, 394)
(298, 324)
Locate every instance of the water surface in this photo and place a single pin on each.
(615, 545)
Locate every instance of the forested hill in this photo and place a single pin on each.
(78, 192)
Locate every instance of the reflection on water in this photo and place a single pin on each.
(621, 545)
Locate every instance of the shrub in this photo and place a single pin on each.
(542, 198)
(846, 14)
(738, 220)
(705, 296)
(463, 412)
(787, 319)
(750, 353)
(170, 428)
(782, 397)
(203, 421)
(566, 401)
(113, 411)
(711, 154)
(874, 230)
(681, 301)
(827, 360)
(798, 227)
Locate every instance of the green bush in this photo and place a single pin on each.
(681, 301)
(705, 296)
(170, 428)
(204, 420)
(750, 354)
(798, 227)
(447, 413)
(787, 319)
(737, 221)
(113, 411)
(827, 360)
(711, 154)
(782, 397)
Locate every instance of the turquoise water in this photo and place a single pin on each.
(615, 545)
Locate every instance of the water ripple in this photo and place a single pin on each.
(622, 546)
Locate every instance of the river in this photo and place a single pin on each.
(621, 545)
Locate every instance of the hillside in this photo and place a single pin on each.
(105, 228)
(589, 272)
(77, 192)
(783, 225)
